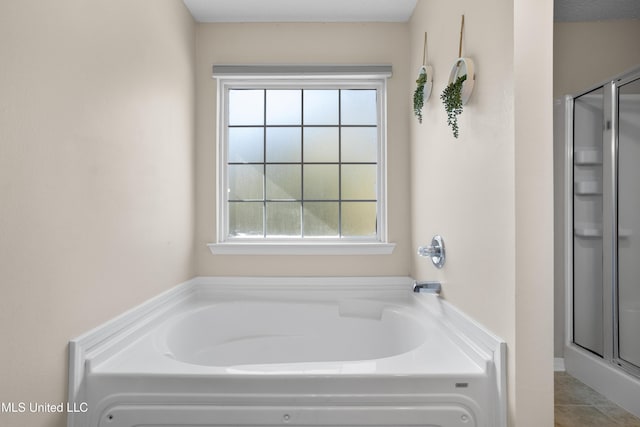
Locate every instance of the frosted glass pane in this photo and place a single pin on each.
(321, 182)
(321, 219)
(284, 107)
(321, 144)
(245, 182)
(246, 107)
(283, 182)
(588, 312)
(245, 219)
(360, 145)
(359, 107)
(321, 107)
(246, 145)
(359, 182)
(359, 219)
(283, 219)
(629, 222)
(284, 145)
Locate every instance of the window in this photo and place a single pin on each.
(301, 162)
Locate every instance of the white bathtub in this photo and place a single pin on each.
(296, 351)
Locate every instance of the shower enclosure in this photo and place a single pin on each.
(603, 238)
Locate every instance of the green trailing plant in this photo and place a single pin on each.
(452, 99)
(418, 95)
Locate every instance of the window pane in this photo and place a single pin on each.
(302, 161)
(359, 182)
(359, 107)
(246, 107)
(321, 182)
(360, 145)
(283, 182)
(359, 219)
(321, 144)
(245, 219)
(321, 219)
(246, 145)
(283, 219)
(320, 107)
(245, 182)
(284, 107)
(283, 145)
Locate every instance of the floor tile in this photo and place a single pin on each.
(620, 416)
(570, 391)
(580, 416)
(577, 405)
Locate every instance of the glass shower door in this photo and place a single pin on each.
(628, 224)
(588, 313)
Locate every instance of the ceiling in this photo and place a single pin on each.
(301, 10)
(596, 10)
(378, 10)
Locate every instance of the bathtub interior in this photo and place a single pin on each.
(263, 332)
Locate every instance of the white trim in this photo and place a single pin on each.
(303, 248)
(374, 77)
(302, 71)
(558, 364)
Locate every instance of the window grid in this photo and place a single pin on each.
(302, 163)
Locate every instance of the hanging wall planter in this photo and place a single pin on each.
(460, 87)
(424, 84)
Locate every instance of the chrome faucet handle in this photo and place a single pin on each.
(435, 251)
(428, 251)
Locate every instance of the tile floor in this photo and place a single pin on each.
(577, 405)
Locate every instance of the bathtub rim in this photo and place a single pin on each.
(96, 345)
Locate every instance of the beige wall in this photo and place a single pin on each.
(488, 193)
(533, 66)
(97, 199)
(588, 53)
(96, 177)
(585, 54)
(307, 43)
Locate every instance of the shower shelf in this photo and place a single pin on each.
(587, 188)
(588, 232)
(587, 157)
(595, 232)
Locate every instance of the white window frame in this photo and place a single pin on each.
(300, 77)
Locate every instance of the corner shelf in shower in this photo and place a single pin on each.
(587, 188)
(593, 231)
(588, 232)
(587, 157)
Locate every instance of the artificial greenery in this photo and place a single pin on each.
(418, 95)
(452, 99)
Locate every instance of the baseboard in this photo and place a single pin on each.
(558, 364)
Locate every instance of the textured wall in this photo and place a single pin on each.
(96, 177)
(486, 191)
(307, 43)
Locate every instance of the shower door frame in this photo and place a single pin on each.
(610, 149)
(616, 359)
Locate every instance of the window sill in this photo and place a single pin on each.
(293, 248)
